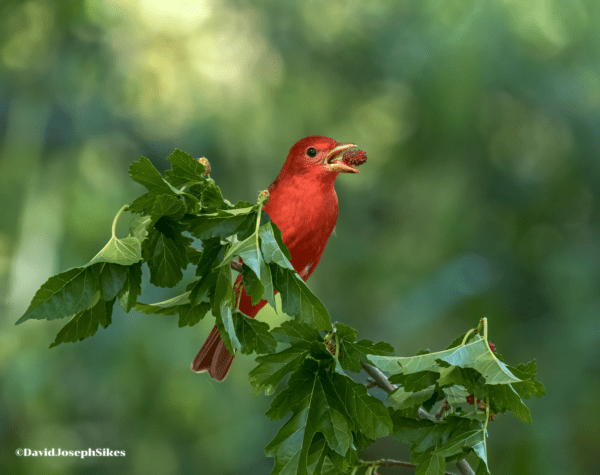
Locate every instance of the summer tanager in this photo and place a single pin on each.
(304, 206)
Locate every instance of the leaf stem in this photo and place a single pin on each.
(114, 224)
(467, 336)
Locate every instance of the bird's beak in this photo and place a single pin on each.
(333, 160)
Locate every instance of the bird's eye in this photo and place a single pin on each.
(311, 152)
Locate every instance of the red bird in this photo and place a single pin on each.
(304, 206)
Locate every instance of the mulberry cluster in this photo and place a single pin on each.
(354, 157)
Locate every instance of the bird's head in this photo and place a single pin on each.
(320, 155)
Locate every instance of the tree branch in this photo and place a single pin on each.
(384, 383)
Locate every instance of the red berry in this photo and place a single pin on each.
(354, 157)
(492, 347)
(471, 399)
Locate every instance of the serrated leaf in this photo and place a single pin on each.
(478, 356)
(132, 288)
(219, 224)
(191, 315)
(249, 251)
(193, 255)
(144, 173)
(528, 387)
(481, 452)
(456, 395)
(126, 251)
(222, 302)
(272, 247)
(402, 399)
(252, 285)
(165, 253)
(353, 352)
(425, 434)
(411, 364)
(188, 315)
(207, 270)
(300, 335)
(166, 205)
(138, 228)
(64, 295)
(434, 465)
(459, 442)
(298, 301)
(504, 398)
(253, 335)
(212, 198)
(185, 170)
(273, 368)
(85, 323)
(192, 204)
(369, 414)
(112, 279)
(315, 408)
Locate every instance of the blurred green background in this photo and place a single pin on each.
(480, 198)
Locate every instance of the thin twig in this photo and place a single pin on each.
(384, 383)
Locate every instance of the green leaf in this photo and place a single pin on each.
(222, 302)
(185, 170)
(219, 224)
(528, 387)
(434, 465)
(191, 315)
(481, 452)
(85, 323)
(250, 253)
(188, 315)
(368, 412)
(139, 227)
(315, 408)
(126, 251)
(353, 352)
(411, 364)
(167, 205)
(272, 247)
(165, 253)
(402, 399)
(478, 356)
(112, 279)
(193, 255)
(212, 197)
(132, 288)
(273, 368)
(300, 335)
(252, 284)
(456, 395)
(459, 442)
(448, 436)
(207, 270)
(504, 398)
(253, 335)
(64, 295)
(144, 173)
(419, 381)
(298, 301)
